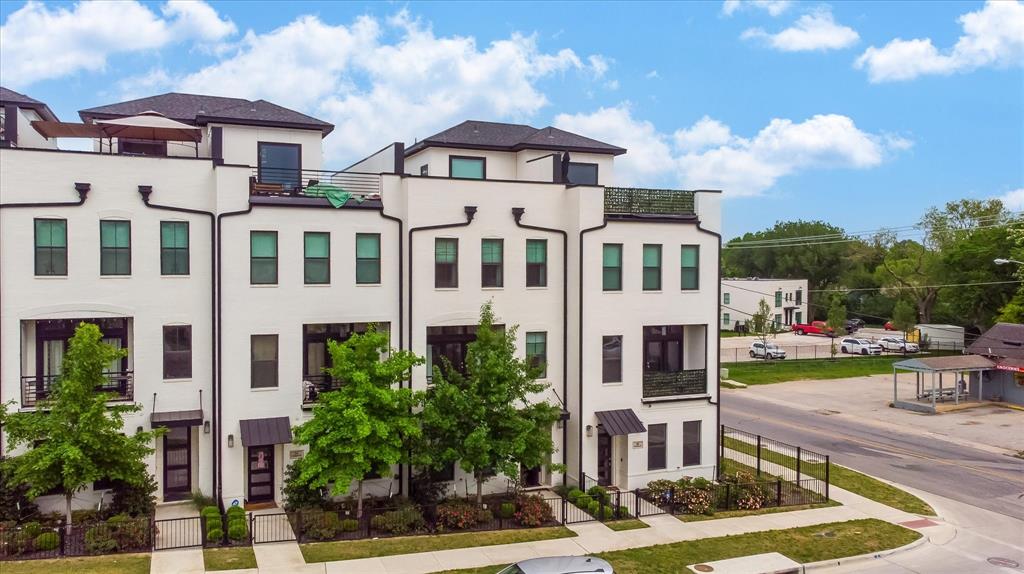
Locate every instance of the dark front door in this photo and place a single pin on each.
(177, 463)
(531, 476)
(261, 473)
(604, 458)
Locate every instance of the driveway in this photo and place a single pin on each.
(735, 349)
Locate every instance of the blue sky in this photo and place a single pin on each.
(860, 114)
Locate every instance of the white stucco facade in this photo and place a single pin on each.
(786, 298)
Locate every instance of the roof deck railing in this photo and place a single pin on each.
(643, 201)
(284, 182)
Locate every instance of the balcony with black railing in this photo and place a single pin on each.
(635, 201)
(663, 385)
(338, 187)
(120, 385)
(314, 385)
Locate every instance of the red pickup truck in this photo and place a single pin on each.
(815, 327)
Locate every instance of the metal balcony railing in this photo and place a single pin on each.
(313, 385)
(35, 388)
(639, 201)
(681, 383)
(278, 182)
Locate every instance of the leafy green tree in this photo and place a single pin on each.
(1013, 311)
(911, 271)
(761, 324)
(488, 419)
(821, 264)
(904, 317)
(837, 320)
(74, 438)
(365, 426)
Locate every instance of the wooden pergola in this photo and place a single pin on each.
(936, 367)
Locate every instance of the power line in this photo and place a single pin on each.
(799, 242)
(850, 290)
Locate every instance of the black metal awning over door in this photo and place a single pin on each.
(619, 422)
(262, 432)
(171, 419)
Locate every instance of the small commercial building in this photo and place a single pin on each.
(1004, 345)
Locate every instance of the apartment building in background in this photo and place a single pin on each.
(219, 250)
(786, 298)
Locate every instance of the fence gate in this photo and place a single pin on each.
(177, 533)
(271, 528)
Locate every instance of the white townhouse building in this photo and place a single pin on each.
(786, 298)
(223, 255)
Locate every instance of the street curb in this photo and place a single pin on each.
(811, 566)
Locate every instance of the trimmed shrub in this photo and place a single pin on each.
(238, 530)
(622, 513)
(33, 529)
(583, 501)
(349, 525)
(99, 541)
(456, 516)
(507, 509)
(599, 493)
(573, 495)
(210, 512)
(85, 516)
(214, 534)
(134, 500)
(533, 511)
(47, 541)
(562, 490)
(594, 507)
(320, 525)
(402, 521)
(661, 490)
(235, 512)
(21, 542)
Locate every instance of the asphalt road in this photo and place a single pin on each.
(979, 478)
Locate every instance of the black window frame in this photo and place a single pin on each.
(425, 170)
(181, 334)
(607, 376)
(482, 159)
(306, 259)
(115, 251)
(278, 177)
(580, 164)
(691, 449)
(169, 255)
(37, 250)
(276, 361)
(492, 275)
(537, 272)
(141, 147)
(253, 259)
(618, 270)
(653, 270)
(454, 276)
(663, 340)
(695, 269)
(657, 452)
(363, 261)
(537, 358)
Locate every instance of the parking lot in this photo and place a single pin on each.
(736, 349)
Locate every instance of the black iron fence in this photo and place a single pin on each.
(823, 350)
(33, 540)
(34, 388)
(764, 456)
(272, 181)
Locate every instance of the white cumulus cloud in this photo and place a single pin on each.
(708, 155)
(43, 41)
(1013, 200)
(817, 30)
(993, 36)
(772, 7)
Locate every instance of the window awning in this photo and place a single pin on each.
(622, 421)
(171, 419)
(262, 432)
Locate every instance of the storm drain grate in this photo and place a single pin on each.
(1005, 562)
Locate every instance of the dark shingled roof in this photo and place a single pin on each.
(497, 136)
(200, 110)
(619, 422)
(1002, 340)
(22, 101)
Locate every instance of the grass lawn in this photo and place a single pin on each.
(729, 334)
(229, 558)
(349, 550)
(769, 372)
(119, 563)
(845, 478)
(807, 544)
(630, 524)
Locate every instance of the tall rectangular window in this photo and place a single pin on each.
(492, 263)
(799, 317)
(537, 351)
(689, 262)
(725, 298)
(280, 163)
(691, 443)
(726, 320)
(652, 267)
(611, 277)
(536, 262)
(177, 351)
(663, 349)
(317, 252)
(778, 298)
(656, 446)
(115, 247)
(467, 167)
(263, 370)
(446, 262)
(51, 239)
(611, 359)
(367, 258)
(799, 296)
(778, 320)
(174, 248)
(263, 257)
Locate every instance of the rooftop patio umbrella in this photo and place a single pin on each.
(150, 126)
(51, 129)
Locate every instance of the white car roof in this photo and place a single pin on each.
(564, 564)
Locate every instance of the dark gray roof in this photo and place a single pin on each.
(199, 110)
(176, 418)
(498, 136)
(622, 421)
(1002, 340)
(261, 432)
(946, 363)
(22, 101)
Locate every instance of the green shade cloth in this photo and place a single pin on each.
(114, 233)
(652, 255)
(174, 234)
(536, 251)
(491, 251)
(467, 168)
(612, 255)
(688, 256)
(334, 194)
(445, 250)
(51, 233)
(367, 246)
(263, 243)
(318, 245)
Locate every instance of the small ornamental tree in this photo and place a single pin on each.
(837, 320)
(367, 424)
(73, 437)
(904, 317)
(488, 419)
(762, 326)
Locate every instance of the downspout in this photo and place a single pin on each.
(145, 191)
(604, 223)
(718, 371)
(401, 333)
(470, 211)
(517, 213)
